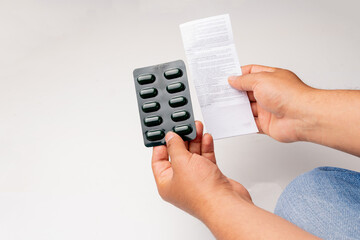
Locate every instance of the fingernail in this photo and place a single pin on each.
(169, 136)
(232, 78)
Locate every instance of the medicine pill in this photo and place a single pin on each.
(177, 102)
(183, 130)
(175, 87)
(148, 92)
(146, 79)
(152, 121)
(155, 135)
(180, 116)
(150, 107)
(173, 73)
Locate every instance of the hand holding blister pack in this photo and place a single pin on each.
(212, 58)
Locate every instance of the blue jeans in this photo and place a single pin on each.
(324, 202)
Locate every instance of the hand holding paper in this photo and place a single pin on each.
(279, 101)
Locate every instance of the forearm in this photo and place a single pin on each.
(332, 118)
(234, 218)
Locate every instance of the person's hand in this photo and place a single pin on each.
(278, 100)
(191, 180)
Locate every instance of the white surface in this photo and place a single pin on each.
(212, 58)
(72, 161)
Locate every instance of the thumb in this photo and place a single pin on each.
(245, 82)
(252, 75)
(176, 147)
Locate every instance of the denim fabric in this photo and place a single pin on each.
(324, 202)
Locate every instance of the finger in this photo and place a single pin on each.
(207, 147)
(195, 145)
(176, 147)
(187, 145)
(254, 108)
(245, 82)
(251, 96)
(250, 77)
(256, 68)
(160, 162)
(258, 125)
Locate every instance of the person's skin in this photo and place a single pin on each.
(288, 110)
(285, 109)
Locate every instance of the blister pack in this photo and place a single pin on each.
(164, 102)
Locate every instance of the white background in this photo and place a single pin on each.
(72, 160)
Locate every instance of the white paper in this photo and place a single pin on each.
(212, 58)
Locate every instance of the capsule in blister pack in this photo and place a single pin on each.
(164, 102)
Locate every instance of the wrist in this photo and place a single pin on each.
(225, 214)
(309, 114)
(218, 204)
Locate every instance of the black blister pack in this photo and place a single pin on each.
(164, 102)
